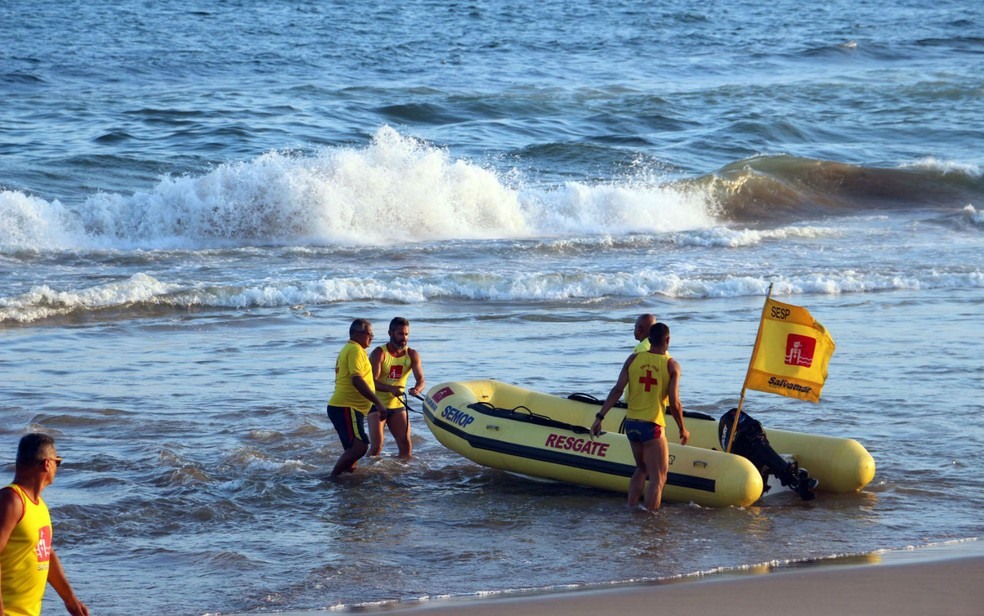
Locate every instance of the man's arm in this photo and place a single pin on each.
(367, 392)
(418, 373)
(58, 581)
(11, 510)
(613, 395)
(676, 406)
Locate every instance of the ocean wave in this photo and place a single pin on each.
(43, 302)
(948, 167)
(785, 188)
(144, 295)
(973, 216)
(398, 190)
(395, 190)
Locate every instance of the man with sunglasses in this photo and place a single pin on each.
(27, 558)
(354, 396)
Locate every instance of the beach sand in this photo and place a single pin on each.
(941, 581)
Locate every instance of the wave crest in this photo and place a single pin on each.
(142, 294)
(786, 188)
(399, 190)
(395, 190)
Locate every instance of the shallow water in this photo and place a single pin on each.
(198, 446)
(196, 200)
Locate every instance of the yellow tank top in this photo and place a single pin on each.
(352, 360)
(649, 379)
(644, 346)
(24, 562)
(394, 371)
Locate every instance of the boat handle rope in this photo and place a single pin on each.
(518, 414)
(406, 403)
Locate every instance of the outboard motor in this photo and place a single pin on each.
(751, 442)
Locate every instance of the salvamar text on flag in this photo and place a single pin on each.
(791, 353)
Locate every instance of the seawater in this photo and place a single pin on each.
(197, 198)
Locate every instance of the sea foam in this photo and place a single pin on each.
(394, 190)
(142, 292)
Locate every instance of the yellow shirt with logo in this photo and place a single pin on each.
(393, 371)
(649, 380)
(24, 561)
(352, 360)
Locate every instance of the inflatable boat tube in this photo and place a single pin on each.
(545, 436)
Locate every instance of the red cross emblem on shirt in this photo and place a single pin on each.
(648, 380)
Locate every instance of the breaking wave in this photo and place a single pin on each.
(145, 294)
(395, 190)
(399, 190)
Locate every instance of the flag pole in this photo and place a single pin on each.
(751, 362)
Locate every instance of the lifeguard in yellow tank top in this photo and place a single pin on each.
(653, 380)
(28, 561)
(392, 364)
(649, 380)
(394, 371)
(25, 559)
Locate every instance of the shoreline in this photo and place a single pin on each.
(941, 579)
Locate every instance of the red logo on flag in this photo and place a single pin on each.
(800, 350)
(442, 393)
(395, 372)
(44, 544)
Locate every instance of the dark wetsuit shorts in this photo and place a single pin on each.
(349, 424)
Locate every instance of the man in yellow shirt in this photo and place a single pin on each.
(653, 379)
(354, 395)
(27, 558)
(392, 364)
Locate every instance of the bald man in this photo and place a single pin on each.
(643, 324)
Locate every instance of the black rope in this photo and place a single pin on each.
(589, 399)
(406, 403)
(523, 413)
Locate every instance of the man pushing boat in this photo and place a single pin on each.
(354, 396)
(392, 364)
(653, 380)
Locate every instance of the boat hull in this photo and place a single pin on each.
(454, 414)
(540, 435)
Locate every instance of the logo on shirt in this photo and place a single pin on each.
(649, 380)
(800, 350)
(43, 549)
(395, 372)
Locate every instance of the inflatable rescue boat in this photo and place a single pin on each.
(540, 435)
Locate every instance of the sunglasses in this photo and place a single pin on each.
(57, 460)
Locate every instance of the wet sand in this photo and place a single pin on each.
(942, 581)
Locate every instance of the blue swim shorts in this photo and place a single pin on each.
(642, 431)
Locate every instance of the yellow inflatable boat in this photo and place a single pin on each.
(540, 435)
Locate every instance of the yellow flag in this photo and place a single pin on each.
(791, 353)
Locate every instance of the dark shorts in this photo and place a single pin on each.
(399, 409)
(349, 424)
(642, 431)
